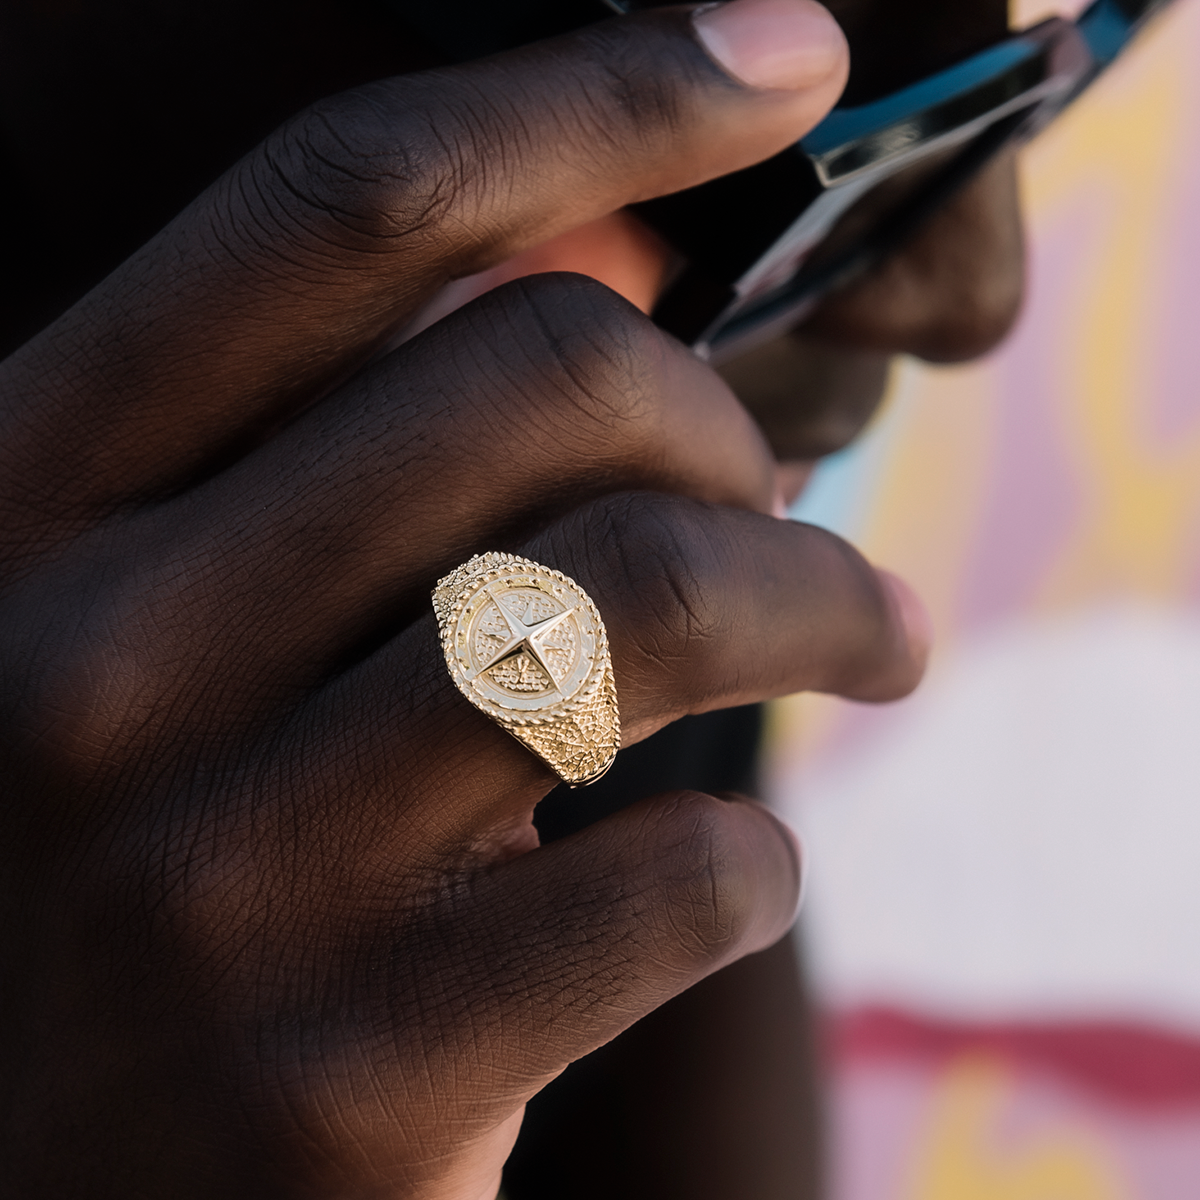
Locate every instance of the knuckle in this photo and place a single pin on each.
(982, 318)
(79, 691)
(952, 292)
(667, 557)
(640, 84)
(809, 397)
(702, 867)
(957, 312)
(355, 171)
(598, 359)
(971, 293)
(109, 663)
(427, 156)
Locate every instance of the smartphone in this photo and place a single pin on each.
(759, 248)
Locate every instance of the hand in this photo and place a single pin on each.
(952, 293)
(275, 923)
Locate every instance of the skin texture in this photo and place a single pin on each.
(270, 888)
(267, 885)
(665, 1135)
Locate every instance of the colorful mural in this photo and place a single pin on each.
(1004, 901)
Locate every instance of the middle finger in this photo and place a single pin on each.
(512, 411)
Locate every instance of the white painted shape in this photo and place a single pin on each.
(1024, 839)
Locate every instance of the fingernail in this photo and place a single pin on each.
(788, 44)
(801, 853)
(914, 616)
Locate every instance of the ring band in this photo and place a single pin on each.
(527, 647)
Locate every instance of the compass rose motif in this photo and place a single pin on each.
(523, 638)
(522, 650)
(526, 645)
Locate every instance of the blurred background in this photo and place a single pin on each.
(1003, 916)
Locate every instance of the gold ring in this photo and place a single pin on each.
(528, 648)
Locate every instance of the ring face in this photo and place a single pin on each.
(526, 642)
(526, 645)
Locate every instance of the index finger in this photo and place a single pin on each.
(286, 274)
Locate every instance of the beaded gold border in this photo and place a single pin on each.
(596, 698)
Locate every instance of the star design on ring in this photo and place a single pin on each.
(526, 639)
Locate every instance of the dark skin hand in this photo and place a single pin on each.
(950, 294)
(275, 922)
(90, 170)
(218, 82)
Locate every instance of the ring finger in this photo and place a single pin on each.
(705, 607)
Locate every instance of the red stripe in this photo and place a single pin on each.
(1137, 1064)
